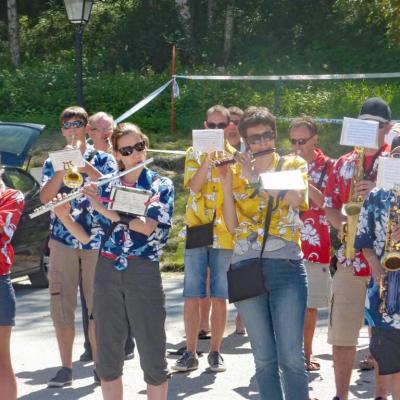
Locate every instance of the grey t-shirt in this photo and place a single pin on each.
(275, 247)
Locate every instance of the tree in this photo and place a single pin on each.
(12, 16)
(228, 36)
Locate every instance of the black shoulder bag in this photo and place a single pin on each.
(200, 235)
(247, 281)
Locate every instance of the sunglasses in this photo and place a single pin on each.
(396, 155)
(300, 141)
(72, 124)
(266, 136)
(128, 150)
(381, 124)
(235, 121)
(221, 125)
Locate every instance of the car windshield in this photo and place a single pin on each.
(16, 141)
(13, 139)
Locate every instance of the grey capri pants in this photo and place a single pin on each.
(134, 297)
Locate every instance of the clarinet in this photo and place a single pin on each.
(220, 163)
(79, 192)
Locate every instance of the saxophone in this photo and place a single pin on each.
(390, 280)
(352, 209)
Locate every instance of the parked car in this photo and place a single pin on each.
(30, 239)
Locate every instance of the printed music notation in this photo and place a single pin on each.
(66, 157)
(359, 133)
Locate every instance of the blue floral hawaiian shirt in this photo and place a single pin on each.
(124, 243)
(371, 233)
(81, 210)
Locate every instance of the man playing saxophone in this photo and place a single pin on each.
(378, 234)
(350, 281)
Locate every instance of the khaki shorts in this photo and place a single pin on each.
(66, 268)
(319, 284)
(346, 314)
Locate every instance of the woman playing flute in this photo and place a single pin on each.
(275, 319)
(128, 288)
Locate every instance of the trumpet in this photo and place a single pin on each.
(79, 192)
(72, 177)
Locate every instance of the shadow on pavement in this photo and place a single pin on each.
(42, 376)
(182, 385)
(248, 392)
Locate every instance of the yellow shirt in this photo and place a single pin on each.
(201, 206)
(285, 220)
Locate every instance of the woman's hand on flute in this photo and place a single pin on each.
(62, 211)
(246, 162)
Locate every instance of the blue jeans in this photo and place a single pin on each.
(275, 323)
(197, 262)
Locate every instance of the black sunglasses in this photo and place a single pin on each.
(256, 139)
(221, 125)
(128, 150)
(381, 124)
(72, 124)
(396, 155)
(300, 141)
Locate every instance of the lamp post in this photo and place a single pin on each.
(78, 12)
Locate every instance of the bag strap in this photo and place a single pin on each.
(269, 210)
(323, 173)
(107, 235)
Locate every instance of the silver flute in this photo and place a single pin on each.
(79, 192)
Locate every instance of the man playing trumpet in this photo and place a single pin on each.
(69, 259)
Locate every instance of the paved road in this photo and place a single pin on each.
(35, 356)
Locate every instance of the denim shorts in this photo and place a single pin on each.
(7, 301)
(197, 261)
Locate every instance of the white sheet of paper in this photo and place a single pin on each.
(283, 180)
(129, 200)
(388, 172)
(359, 133)
(58, 158)
(207, 140)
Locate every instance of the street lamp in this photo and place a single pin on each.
(78, 12)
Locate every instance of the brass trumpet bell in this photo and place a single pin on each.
(72, 177)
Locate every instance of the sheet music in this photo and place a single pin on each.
(207, 140)
(283, 180)
(63, 157)
(388, 172)
(359, 133)
(129, 200)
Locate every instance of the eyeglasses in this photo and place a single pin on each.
(300, 141)
(235, 121)
(221, 125)
(128, 150)
(103, 130)
(381, 124)
(396, 155)
(72, 124)
(256, 139)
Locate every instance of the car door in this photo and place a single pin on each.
(31, 234)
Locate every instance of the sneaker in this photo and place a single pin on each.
(86, 356)
(63, 378)
(129, 356)
(187, 362)
(216, 362)
(96, 378)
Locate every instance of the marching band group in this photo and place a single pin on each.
(268, 251)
